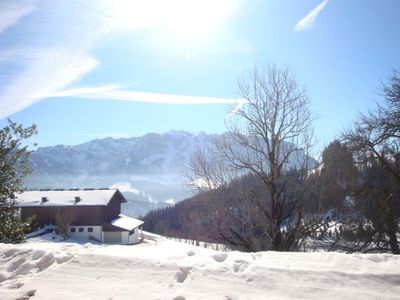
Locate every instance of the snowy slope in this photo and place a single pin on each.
(164, 269)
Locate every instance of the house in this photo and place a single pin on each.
(83, 213)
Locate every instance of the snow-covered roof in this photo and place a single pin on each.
(72, 197)
(126, 222)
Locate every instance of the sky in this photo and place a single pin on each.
(84, 70)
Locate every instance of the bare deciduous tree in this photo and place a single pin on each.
(267, 136)
(64, 218)
(375, 142)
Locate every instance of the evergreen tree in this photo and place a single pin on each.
(14, 166)
(337, 176)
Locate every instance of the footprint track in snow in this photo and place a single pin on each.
(240, 266)
(182, 274)
(16, 262)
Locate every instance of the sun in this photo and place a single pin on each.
(184, 20)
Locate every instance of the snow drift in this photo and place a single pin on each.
(160, 268)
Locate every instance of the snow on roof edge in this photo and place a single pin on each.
(126, 222)
(66, 197)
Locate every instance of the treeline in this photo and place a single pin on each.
(188, 219)
(256, 200)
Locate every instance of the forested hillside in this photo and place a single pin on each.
(349, 201)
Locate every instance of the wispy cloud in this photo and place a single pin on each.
(53, 56)
(45, 70)
(12, 12)
(308, 21)
(114, 92)
(58, 54)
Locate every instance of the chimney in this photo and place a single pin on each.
(77, 199)
(44, 199)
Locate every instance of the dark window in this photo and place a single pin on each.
(81, 229)
(90, 229)
(72, 229)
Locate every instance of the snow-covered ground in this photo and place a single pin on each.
(160, 268)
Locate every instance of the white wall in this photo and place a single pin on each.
(85, 235)
(129, 239)
(134, 237)
(125, 237)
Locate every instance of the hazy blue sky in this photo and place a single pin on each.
(90, 69)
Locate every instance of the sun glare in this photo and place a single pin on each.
(186, 20)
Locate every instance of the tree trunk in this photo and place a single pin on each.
(392, 233)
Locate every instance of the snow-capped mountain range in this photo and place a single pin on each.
(149, 170)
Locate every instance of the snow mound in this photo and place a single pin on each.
(160, 268)
(220, 257)
(17, 263)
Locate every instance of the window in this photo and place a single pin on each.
(90, 229)
(81, 229)
(72, 229)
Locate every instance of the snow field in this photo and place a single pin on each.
(160, 268)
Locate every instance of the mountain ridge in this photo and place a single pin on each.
(149, 169)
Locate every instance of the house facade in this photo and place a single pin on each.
(84, 213)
